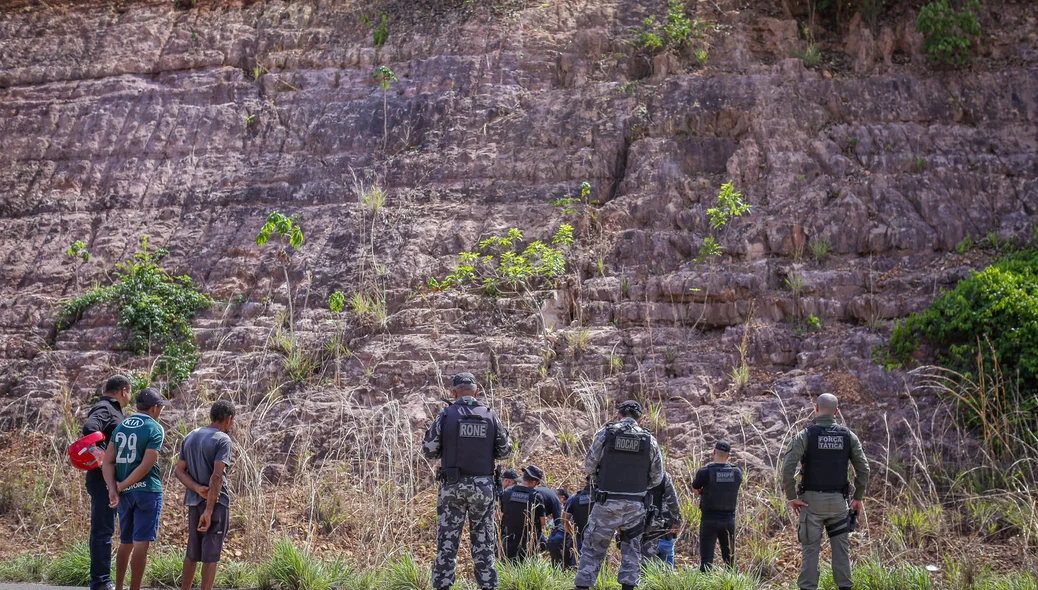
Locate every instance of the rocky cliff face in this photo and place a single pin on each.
(129, 118)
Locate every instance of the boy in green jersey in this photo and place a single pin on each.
(131, 472)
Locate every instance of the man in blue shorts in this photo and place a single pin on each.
(131, 472)
(204, 461)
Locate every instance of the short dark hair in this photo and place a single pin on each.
(221, 410)
(116, 383)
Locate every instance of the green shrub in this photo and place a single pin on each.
(24, 568)
(235, 574)
(154, 307)
(405, 573)
(71, 568)
(676, 33)
(290, 568)
(166, 569)
(729, 205)
(811, 56)
(498, 264)
(912, 526)
(948, 33)
(990, 314)
(533, 574)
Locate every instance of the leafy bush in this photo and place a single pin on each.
(675, 33)
(992, 314)
(948, 33)
(154, 307)
(71, 568)
(498, 264)
(729, 205)
(290, 568)
(24, 568)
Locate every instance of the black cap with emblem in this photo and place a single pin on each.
(630, 408)
(723, 446)
(463, 379)
(533, 472)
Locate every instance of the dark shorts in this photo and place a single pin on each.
(139, 516)
(206, 547)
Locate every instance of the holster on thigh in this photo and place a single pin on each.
(838, 528)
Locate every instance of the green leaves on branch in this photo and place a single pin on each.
(948, 33)
(729, 205)
(154, 307)
(283, 226)
(499, 264)
(675, 33)
(78, 250)
(384, 76)
(337, 302)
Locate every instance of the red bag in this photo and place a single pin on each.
(85, 454)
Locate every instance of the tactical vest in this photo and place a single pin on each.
(468, 434)
(825, 460)
(721, 492)
(626, 460)
(580, 510)
(517, 505)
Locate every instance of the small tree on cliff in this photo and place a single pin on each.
(289, 233)
(80, 255)
(384, 76)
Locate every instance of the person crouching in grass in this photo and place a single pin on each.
(204, 460)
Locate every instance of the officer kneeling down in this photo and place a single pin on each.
(467, 437)
(626, 461)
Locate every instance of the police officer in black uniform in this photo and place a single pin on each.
(103, 417)
(574, 519)
(524, 510)
(467, 437)
(718, 487)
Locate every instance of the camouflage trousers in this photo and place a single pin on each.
(472, 497)
(607, 518)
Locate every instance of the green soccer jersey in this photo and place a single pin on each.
(137, 434)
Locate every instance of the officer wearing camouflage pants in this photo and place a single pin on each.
(467, 437)
(625, 461)
(823, 452)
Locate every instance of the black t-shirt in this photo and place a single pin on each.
(520, 505)
(103, 417)
(552, 504)
(579, 507)
(702, 479)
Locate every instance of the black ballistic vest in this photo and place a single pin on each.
(580, 510)
(721, 493)
(824, 465)
(625, 464)
(518, 503)
(468, 435)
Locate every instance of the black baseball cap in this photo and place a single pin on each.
(723, 446)
(533, 472)
(149, 398)
(630, 406)
(510, 474)
(464, 379)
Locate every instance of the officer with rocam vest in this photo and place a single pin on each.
(823, 451)
(467, 437)
(625, 461)
(718, 487)
(524, 511)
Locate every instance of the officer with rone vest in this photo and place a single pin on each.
(625, 461)
(718, 487)
(823, 451)
(467, 437)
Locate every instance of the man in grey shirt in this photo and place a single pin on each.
(204, 460)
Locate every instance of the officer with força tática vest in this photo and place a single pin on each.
(625, 460)
(823, 451)
(523, 512)
(467, 437)
(718, 487)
